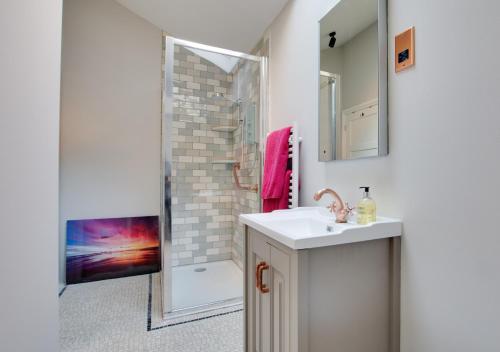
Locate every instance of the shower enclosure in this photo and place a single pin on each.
(214, 110)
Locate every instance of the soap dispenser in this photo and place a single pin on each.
(367, 210)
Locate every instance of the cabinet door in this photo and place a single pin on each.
(280, 296)
(259, 308)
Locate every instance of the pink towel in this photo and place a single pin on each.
(268, 205)
(275, 173)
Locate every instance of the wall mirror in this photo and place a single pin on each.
(353, 81)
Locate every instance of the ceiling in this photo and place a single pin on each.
(229, 24)
(347, 18)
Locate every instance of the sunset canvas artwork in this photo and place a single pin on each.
(101, 249)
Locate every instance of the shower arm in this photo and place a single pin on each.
(252, 188)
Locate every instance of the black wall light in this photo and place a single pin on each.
(333, 40)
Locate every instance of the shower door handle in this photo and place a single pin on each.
(260, 285)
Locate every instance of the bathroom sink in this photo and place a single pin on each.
(296, 228)
(312, 227)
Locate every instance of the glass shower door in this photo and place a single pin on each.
(211, 131)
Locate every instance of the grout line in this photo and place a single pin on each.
(150, 290)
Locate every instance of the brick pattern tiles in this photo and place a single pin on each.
(205, 205)
(247, 81)
(202, 191)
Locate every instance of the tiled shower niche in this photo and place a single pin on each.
(206, 141)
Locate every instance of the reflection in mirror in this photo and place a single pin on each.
(353, 81)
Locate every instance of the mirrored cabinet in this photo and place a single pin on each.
(353, 81)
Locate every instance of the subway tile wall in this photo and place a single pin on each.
(205, 204)
(202, 191)
(246, 87)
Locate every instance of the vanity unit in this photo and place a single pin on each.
(313, 285)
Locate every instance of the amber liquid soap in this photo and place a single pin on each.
(367, 210)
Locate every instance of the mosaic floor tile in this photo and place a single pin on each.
(112, 315)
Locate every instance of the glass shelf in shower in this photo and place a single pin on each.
(224, 161)
(228, 128)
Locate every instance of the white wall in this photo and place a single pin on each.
(30, 37)
(360, 82)
(443, 168)
(357, 63)
(110, 114)
(332, 60)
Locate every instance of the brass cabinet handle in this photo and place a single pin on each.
(263, 288)
(258, 276)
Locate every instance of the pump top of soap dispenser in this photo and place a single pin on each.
(367, 191)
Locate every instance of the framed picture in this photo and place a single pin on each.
(99, 249)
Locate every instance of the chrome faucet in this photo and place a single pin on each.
(338, 207)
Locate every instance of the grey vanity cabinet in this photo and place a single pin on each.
(259, 317)
(280, 299)
(336, 298)
(270, 299)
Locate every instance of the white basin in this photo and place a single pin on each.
(312, 227)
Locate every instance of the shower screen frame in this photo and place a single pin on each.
(166, 148)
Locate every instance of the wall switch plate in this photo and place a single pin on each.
(405, 49)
